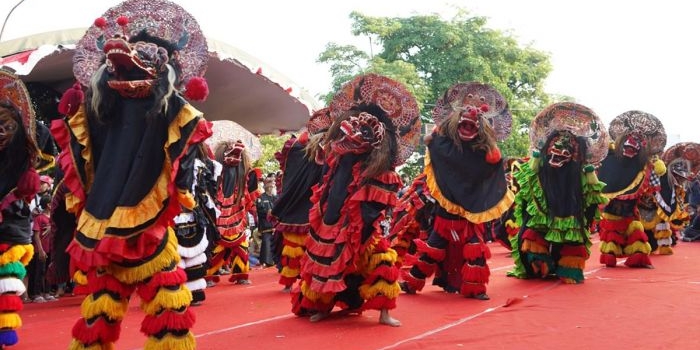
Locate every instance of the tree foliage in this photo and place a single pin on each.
(270, 145)
(430, 54)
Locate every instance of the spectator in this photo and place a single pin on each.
(265, 227)
(38, 289)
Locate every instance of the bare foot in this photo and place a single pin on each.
(384, 318)
(319, 316)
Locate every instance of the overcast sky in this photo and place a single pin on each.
(612, 56)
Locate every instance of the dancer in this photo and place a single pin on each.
(194, 227)
(629, 171)
(683, 163)
(465, 174)
(348, 261)
(559, 193)
(301, 161)
(19, 182)
(128, 153)
(236, 195)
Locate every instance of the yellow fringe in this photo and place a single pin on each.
(490, 214)
(650, 225)
(377, 258)
(381, 287)
(212, 270)
(289, 272)
(637, 180)
(78, 125)
(10, 320)
(299, 239)
(20, 252)
(80, 278)
(637, 247)
(243, 267)
(325, 298)
(576, 262)
(665, 250)
(292, 252)
(114, 309)
(532, 247)
(662, 234)
(511, 224)
(165, 258)
(171, 342)
(610, 217)
(610, 248)
(73, 203)
(77, 345)
(51, 162)
(634, 226)
(167, 299)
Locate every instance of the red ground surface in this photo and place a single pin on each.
(616, 308)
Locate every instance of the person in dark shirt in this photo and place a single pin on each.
(264, 206)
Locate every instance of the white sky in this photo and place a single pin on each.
(611, 55)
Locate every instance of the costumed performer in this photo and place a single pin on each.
(236, 195)
(19, 182)
(683, 162)
(348, 261)
(465, 174)
(630, 171)
(128, 156)
(559, 193)
(301, 160)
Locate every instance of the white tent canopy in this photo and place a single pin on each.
(241, 88)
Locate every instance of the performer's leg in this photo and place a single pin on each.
(292, 251)
(13, 260)
(612, 238)
(662, 234)
(239, 264)
(380, 287)
(102, 311)
(430, 253)
(637, 247)
(535, 250)
(475, 272)
(572, 261)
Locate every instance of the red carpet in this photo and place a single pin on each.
(618, 308)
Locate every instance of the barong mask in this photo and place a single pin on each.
(233, 154)
(361, 134)
(8, 127)
(683, 159)
(136, 42)
(134, 68)
(562, 149)
(633, 145)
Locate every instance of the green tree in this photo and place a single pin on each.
(270, 145)
(444, 52)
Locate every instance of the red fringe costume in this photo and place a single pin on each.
(348, 261)
(19, 182)
(628, 178)
(128, 153)
(291, 211)
(466, 196)
(232, 248)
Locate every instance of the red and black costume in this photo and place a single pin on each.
(128, 153)
(465, 174)
(19, 182)
(630, 171)
(301, 169)
(236, 195)
(348, 261)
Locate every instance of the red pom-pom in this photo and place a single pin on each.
(71, 100)
(493, 156)
(122, 21)
(197, 89)
(259, 71)
(288, 90)
(473, 112)
(484, 108)
(100, 22)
